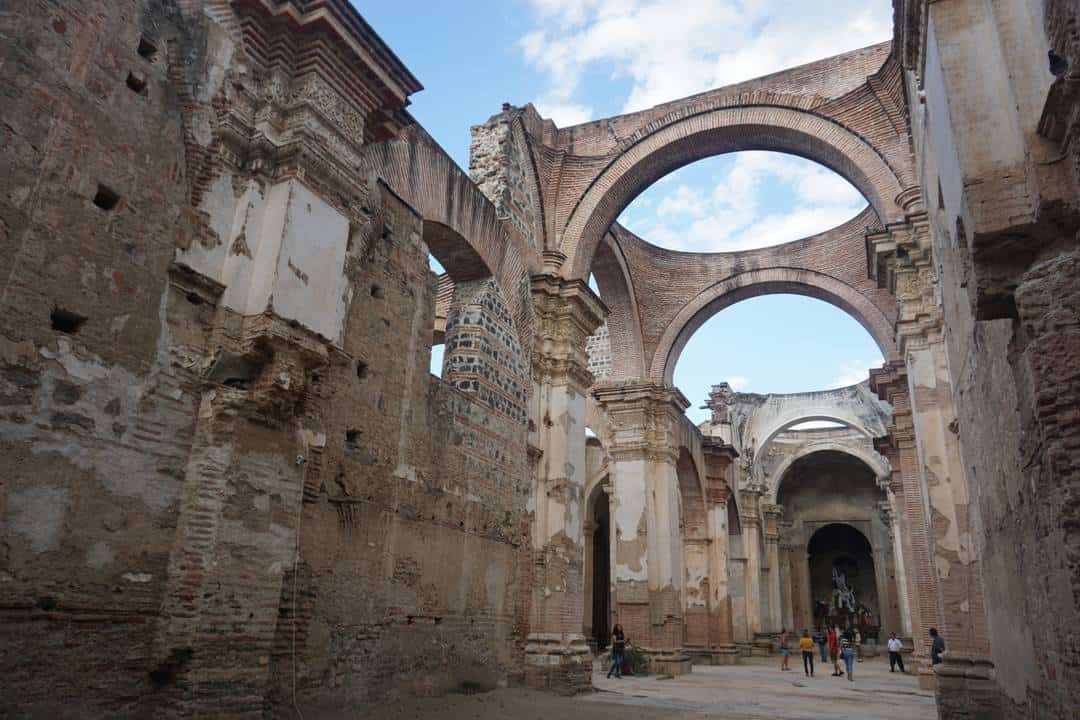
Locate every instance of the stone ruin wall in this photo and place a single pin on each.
(168, 440)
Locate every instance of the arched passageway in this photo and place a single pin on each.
(600, 529)
(842, 580)
(837, 560)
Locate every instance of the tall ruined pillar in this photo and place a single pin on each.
(750, 521)
(967, 672)
(890, 383)
(648, 561)
(565, 313)
(787, 551)
(899, 589)
(771, 532)
(719, 466)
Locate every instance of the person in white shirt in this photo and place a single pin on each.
(895, 658)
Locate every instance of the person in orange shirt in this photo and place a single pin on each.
(806, 643)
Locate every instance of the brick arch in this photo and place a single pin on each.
(871, 459)
(456, 212)
(683, 138)
(771, 281)
(623, 321)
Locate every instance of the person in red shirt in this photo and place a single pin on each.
(834, 651)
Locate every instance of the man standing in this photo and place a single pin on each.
(895, 646)
(937, 647)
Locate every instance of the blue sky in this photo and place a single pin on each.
(578, 60)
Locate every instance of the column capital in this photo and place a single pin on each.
(643, 419)
(565, 313)
(772, 515)
(719, 469)
(901, 260)
(748, 506)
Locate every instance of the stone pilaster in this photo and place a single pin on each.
(903, 261)
(772, 515)
(890, 383)
(565, 313)
(648, 558)
(750, 522)
(719, 471)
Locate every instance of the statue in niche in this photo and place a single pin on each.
(843, 595)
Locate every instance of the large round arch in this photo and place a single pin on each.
(771, 281)
(694, 134)
(872, 460)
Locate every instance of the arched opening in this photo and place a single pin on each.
(597, 596)
(601, 600)
(832, 510)
(843, 579)
(684, 138)
(741, 201)
(786, 344)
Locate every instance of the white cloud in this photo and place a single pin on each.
(853, 373)
(564, 114)
(668, 49)
(684, 201)
(734, 216)
(738, 383)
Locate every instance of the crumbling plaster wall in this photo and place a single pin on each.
(227, 466)
(1001, 199)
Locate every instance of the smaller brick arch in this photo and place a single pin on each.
(623, 321)
(461, 225)
(771, 281)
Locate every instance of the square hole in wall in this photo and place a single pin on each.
(361, 369)
(66, 321)
(377, 292)
(136, 83)
(106, 198)
(147, 50)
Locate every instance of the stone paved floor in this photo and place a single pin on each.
(754, 690)
(758, 689)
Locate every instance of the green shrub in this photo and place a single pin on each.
(636, 661)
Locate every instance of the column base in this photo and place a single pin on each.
(558, 663)
(715, 655)
(670, 662)
(966, 688)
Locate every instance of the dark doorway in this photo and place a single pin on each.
(842, 581)
(601, 575)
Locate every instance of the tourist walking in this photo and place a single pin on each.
(618, 649)
(858, 644)
(806, 644)
(785, 650)
(822, 643)
(847, 651)
(937, 646)
(895, 646)
(834, 651)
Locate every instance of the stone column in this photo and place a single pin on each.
(904, 251)
(648, 559)
(771, 532)
(719, 470)
(788, 617)
(565, 313)
(750, 521)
